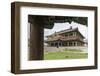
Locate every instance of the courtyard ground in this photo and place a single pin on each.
(65, 53)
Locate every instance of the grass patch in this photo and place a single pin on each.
(66, 54)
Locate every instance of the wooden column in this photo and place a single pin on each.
(72, 43)
(36, 41)
(49, 43)
(67, 43)
(58, 44)
(76, 43)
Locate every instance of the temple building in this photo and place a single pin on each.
(69, 37)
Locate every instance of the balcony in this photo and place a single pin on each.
(65, 38)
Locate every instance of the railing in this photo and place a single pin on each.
(65, 38)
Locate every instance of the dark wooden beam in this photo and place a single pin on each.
(49, 21)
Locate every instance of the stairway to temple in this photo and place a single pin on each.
(55, 49)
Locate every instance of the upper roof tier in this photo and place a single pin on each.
(67, 31)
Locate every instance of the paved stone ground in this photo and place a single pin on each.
(54, 49)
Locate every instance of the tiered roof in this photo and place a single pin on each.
(57, 35)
